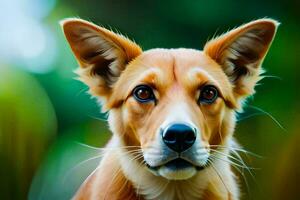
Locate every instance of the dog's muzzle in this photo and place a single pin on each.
(180, 154)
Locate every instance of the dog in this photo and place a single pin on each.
(172, 112)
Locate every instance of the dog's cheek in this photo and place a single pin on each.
(137, 112)
(213, 115)
(134, 116)
(214, 109)
(228, 123)
(223, 127)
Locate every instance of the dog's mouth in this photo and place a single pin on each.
(176, 165)
(176, 169)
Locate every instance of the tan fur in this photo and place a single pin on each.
(112, 66)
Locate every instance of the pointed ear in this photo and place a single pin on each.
(240, 53)
(101, 54)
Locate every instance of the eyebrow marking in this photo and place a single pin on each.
(195, 72)
(198, 73)
(153, 76)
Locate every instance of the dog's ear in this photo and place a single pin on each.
(240, 52)
(101, 54)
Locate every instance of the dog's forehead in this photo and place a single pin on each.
(166, 69)
(187, 67)
(179, 58)
(180, 62)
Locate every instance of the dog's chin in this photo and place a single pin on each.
(179, 174)
(177, 169)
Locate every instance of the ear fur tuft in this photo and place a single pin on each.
(101, 54)
(241, 51)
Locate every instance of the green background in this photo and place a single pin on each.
(46, 115)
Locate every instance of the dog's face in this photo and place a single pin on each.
(176, 105)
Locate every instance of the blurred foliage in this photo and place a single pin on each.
(286, 176)
(50, 111)
(27, 126)
(69, 162)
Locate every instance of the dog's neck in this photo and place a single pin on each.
(151, 186)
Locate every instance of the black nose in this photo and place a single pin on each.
(179, 137)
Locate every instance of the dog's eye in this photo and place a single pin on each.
(208, 94)
(143, 93)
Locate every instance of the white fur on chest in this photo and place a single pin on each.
(153, 187)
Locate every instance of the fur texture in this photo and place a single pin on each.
(112, 66)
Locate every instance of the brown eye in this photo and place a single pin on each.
(208, 94)
(143, 94)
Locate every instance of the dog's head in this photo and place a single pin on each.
(177, 105)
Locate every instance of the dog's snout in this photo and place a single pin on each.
(179, 137)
